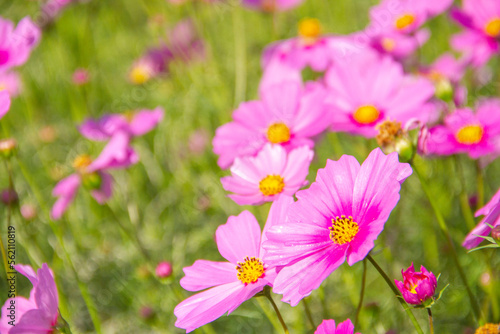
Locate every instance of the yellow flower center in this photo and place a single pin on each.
(469, 134)
(250, 270)
(388, 44)
(271, 185)
(404, 21)
(81, 162)
(388, 131)
(278, 133)
(489, 329)
(493, 27)
(366, 114)
(413, 288)
(309, 29)
(343, 230)
(139, 75)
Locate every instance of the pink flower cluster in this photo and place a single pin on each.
(118, 130)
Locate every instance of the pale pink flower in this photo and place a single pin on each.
(337, 219)
(287, 114)
(270, 174)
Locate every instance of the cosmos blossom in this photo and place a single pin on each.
(369, 90)
(464, 131)
(336, 219)
(271, 5)
(287, 114)
(17, 43)
(480, 40)
(329, 327)
(417, 287)
(491, 211)
(40, 311)
(229, 283)
(270, 174)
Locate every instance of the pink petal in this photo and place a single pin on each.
(326, 327)
(46, 295)
(282, 100)
(22, 305)
(145, 121)
(33, 322)
(345, 327)
(277, 216)
(4, 103)
(205, 274)
(116, 154)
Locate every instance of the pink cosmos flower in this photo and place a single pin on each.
(464, 131)
(369, 90)
(17, 44)
(93, 174)
(417, 287)
(229, 283)
(185, 42)
(10, 82)
(328, 327)
(37, 314)
(480, 40)
(132, 123)
(53, 8)
(80, 77)
(153, 63)
(287, 114)
(491, 211)
(272, 5)
(396, 44)
(337, 219)
(4, 103)
(163, 269)
(269, 175)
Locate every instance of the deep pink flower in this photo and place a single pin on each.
(229, 283)
(10, 82)
(37, 314)
(269, 175)
(370, 90)
(132, 123)
(337, 219)
(491, 211)
(287, 114)
(163, 269)
(417, 287)
(17, 44)
(272, 5)
(464, 131)
(328, 327)
(4, 103)
(480, 40)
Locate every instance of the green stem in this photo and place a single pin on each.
(480, 185)
(444, 228)
(308, 313)
(268, 314)
(267, 293)
(431, 324)
(240, 55)
(464, 199)
(361, 294)
(399, 297)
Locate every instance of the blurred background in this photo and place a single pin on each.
(172, 201)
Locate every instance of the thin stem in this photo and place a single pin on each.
(268, 313)
(361, 294)
(308, 313)
(444, 228)
(431, 324)
(480, 185)
(267, 293)
(4, 258)
(240, 55)
(399, 297)
(464, 199)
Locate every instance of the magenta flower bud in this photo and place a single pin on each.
(164, 269)
(417, 287)
(9, 197)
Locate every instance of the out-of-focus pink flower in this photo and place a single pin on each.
(369, 90)
(337, 219)
(417, 287)
(328, 327)
(229, 283)
(464, 131)
(39, 312)
(10, 82)
(4, 103)
(287, 114)
(396, 44)
(134, 123)
(28, 211)
(17, 44)
(9, 197)
(150, 65)
(81, 76)
(269, 175)
(163, 269)
(491, 211)
(198, 141)
(272, 5)
(52, 8)
(480, 40)
(185, 42)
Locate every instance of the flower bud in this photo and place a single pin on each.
(444, 90)
(163, 269)
(8, 147)
(92, 180)
(495, 232)
(9, 197)
(417, 287)
(28, 211)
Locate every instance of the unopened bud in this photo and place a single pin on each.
(92, 180)
(9, 197)
(163, 269)
(495, 233)
(444, 90)
(8, 147)
(405, 149)
(28, 211)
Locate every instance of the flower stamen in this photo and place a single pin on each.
(366, 114)
(250, 270)
(309, 30)
(470, 134)
(81, 162)
(271, 185)
(278, 133)
(343, 229)
(404, 21)
(492, 28)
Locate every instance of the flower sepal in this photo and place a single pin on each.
(62, 326)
